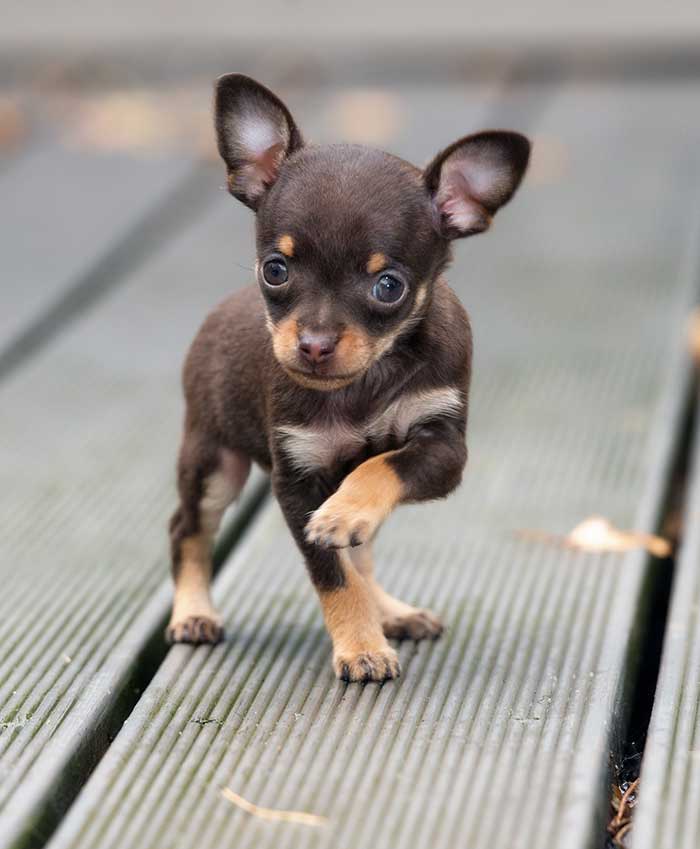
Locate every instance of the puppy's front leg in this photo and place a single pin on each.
(352, 515)
(428, 466)
(360, 649)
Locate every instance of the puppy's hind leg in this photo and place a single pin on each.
(400, 621)
(209, 479)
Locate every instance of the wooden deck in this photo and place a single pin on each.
(501, 734)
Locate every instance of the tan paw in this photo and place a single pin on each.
(337, 524)
(416, 625)
(195, 629)
(378, 665)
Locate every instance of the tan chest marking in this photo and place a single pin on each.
(316, 446)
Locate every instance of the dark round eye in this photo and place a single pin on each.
(275, 272)
(388, 289)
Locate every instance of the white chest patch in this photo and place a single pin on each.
(319, 446)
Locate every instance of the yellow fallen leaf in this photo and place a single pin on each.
(272, 813)
(599, 534)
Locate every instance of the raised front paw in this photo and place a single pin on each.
(378, 665)
(196, 630)
(339, 523)
(352, 515)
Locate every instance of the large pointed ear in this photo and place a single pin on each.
(255, 133)
(472, 178)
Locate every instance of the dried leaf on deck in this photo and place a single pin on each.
(598, 534)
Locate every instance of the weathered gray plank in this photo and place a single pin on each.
(497, 735)
(62, 211)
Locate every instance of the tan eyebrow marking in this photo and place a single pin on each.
(376, 262)
(286, 245)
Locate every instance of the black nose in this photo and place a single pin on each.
(317, 347)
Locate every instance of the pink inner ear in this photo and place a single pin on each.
(269, 162)
(259, 140)
(458, 202)
(464, 214)
(260, 172)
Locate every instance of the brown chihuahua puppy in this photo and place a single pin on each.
(344, 371)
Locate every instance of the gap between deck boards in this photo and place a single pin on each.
(627, 755)
(645, 649)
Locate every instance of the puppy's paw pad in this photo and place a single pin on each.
(368, 666)
(332, 529)
(197, 630)
(418, 625)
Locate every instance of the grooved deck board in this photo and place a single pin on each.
(88, 439)
(667, 815)
(64, 209)
(496, 736)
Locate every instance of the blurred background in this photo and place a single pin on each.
(136, 76)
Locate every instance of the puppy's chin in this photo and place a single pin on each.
(318, 381)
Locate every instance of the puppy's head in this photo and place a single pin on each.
(350, 239)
